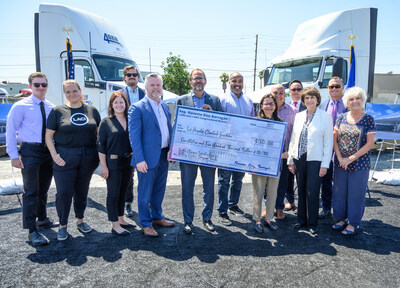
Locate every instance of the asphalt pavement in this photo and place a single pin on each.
(234, 256)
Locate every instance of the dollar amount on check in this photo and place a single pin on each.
(227, 141)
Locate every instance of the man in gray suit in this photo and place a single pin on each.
(198, 98)
(134, 93)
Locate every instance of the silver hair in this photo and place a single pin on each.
(152, 75)
(355, 91)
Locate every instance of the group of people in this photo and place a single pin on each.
(70, 140)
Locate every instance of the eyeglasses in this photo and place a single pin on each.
(197, 78)
(296, 89)
(270, 104)
(334, 86)
(37, 85)
(132, 74)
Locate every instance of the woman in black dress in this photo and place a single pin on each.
(115, 155)
(71, 138)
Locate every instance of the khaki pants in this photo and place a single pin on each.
(259, 184)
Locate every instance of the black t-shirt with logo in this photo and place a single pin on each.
(74, 127)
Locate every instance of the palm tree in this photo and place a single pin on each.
(224, 78)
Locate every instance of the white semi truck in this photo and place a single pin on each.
(320, 49)
(99, 53)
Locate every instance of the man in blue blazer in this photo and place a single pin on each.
(134, 94)
(334, 106)
(198, 98)
(149, 124)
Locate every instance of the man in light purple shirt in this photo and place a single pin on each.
(287, 113)
(26, 123)
(334, 106)
(235, 102)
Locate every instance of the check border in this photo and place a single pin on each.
(179, 107)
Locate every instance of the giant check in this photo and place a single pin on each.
(228, 141)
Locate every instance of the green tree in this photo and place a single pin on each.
(224, 78)
(175, 77)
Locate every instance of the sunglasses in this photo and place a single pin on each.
(334, 86)
(197, 78)
(37, 85)
(296, 89)
(132, 74)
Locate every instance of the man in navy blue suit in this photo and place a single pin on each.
(149, 122)
(134, 93)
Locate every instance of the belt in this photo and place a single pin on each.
(34, 143)
(165, 149)
(115, 156)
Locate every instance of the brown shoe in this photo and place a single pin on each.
(149, 231)
(264, 213)
(280, 214)
(163, 222)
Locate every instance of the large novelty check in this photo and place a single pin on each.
(228, 141)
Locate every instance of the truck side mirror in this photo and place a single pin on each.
(266, 76)
(337, 68)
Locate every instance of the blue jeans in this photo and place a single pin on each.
(224, 182)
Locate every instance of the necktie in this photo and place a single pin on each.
(295, 104)
(43, 121)
(334, 112)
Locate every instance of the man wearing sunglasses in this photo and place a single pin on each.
(287, 113)
(26, 123)
(134, 94)
(334, 106)
(295, 88)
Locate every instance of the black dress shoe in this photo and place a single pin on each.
(124, 233)
(271, 225)
(188, 228)
(314, 230)
(125, 226)
(209, 225)
(38, 238)
(259, 228)
(128, 210)
(46, 223)
(298, 226)
(324, 214)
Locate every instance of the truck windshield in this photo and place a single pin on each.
(305, 70)
(111, 68)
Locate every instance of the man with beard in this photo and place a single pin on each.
(234, 102)
(198, 98)
(149, 124)
(134, 93)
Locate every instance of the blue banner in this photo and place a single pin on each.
(387, 120)
(352, 74)
(70, 61)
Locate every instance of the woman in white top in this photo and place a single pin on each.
(310, 152)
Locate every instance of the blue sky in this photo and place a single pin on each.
(216, 36)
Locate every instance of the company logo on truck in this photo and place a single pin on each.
(111, 39)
